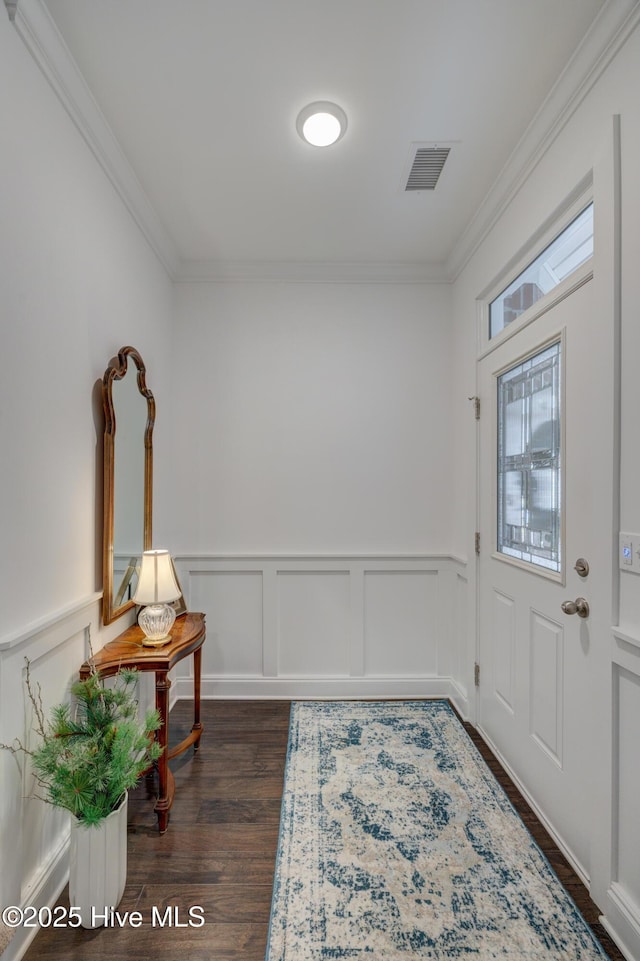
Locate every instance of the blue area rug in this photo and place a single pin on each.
(397, 842)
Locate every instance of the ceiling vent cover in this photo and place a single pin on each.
(426, 167)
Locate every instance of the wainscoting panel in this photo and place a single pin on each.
(546, 640)
(453, 660)
(34, 836)
(51, 672)
(627, 790)
(235, 600)
(401, 622)
(504, 629)
(622, 916)
(344, 626)
(313, 623)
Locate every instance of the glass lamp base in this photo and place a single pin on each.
(156, 621)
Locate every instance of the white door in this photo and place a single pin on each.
(538, 700)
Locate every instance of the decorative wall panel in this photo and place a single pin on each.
(459, 660)
(401, 622)
(34, 835)
(343, 626)
(627, 791)
(313, 623)
(51, 670)
(234, 631)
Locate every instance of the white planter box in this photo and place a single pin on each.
(98, 866)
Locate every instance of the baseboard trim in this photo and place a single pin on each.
(460, 699)
(623, 922)
(322, 688)
(615, 936)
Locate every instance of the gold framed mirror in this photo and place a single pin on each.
(130, 407)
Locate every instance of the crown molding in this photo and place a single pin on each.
(298, 272)
(40, 35)
(44, 42)
(607, 35)
(610, 30)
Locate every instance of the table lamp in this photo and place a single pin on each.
(157, 586)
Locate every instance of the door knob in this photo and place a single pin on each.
(579, 607)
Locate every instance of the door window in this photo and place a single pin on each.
(529, 466)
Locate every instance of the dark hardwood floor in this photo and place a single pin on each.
(218, 854)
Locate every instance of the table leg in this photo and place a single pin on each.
(197, 671)
(163, 803)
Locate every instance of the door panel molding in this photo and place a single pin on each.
(504, 629)
(546, 685)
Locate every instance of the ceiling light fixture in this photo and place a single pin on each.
(321, 123)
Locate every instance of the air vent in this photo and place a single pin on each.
(426, 167)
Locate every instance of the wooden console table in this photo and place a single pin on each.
(126, 650)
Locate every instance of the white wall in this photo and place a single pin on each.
(308, 419)
(312, 468)
(312, 418)
(580, 146)
(77, 282)
(314, 452)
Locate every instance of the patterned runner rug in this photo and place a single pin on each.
(397, 842)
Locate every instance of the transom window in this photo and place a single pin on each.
(529, 489)
(566, 253)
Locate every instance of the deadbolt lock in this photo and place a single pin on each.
(581, 567)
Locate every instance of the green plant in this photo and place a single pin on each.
(90, 754)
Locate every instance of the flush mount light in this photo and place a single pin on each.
(321, 123)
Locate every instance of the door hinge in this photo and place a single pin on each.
(477, 542)
(476, 674)
(476, 406)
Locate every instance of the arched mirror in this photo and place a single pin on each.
(129, 410)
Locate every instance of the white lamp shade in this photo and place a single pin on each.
(156, 582)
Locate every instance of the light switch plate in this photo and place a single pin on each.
(629, 552)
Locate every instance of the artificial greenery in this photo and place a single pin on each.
(89, 756)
